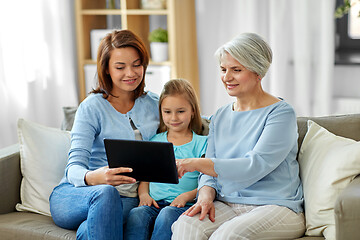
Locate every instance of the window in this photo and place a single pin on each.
(354, 22)
(348, 36)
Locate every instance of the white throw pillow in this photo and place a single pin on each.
(328, 163)
(43, 158)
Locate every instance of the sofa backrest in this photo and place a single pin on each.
(342, 125)
(10, 178)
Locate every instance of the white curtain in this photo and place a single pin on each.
(301, 35)
(37, 63)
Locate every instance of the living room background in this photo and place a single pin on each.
(38, 61)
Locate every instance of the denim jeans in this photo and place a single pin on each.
(144, 219)
(97, 212)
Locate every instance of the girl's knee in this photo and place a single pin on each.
(136, 216)
(169, 212)
(138, 211)
(140, 214)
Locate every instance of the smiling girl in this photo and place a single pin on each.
(161, 204)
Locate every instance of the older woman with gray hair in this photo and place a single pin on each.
(249, 187)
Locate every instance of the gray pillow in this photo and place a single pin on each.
(69, 115)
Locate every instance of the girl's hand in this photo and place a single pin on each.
(182, 199)
(146, 200)
(179, 201)
(204, 205)
(106, 175)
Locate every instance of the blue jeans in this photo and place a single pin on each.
(144, 219)
(97, 212)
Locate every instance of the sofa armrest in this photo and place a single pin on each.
(347, 212)
(10, 178)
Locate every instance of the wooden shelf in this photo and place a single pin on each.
(101, 12)
(147, 12)
(181, 26)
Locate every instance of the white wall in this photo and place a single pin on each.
(346, 89)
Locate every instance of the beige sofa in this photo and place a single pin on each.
(24, 225)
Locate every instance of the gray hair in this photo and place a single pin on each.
(250, 50)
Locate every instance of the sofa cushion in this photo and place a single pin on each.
(43, 158)
(31, 226)
(328, 163)
(69, 115)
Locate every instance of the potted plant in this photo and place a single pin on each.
(344, 8)
(159, 45)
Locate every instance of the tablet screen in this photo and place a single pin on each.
(150, 161)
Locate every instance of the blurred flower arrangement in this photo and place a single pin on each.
(345, 8)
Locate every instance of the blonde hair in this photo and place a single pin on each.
(250, 50)
(184, 88)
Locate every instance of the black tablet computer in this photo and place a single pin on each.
(150, 161)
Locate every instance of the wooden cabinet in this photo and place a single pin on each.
(181, 26)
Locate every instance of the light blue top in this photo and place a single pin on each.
(194, 149)
(254, 155)
(97, 119)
